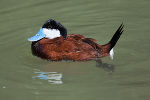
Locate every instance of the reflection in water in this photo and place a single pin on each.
(105, 66)
(52, 77)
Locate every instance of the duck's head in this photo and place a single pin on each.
(51, 29)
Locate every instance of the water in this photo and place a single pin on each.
(23, 76)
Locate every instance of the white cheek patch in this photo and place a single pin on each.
(51, 33)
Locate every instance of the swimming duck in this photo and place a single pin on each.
(52, 43)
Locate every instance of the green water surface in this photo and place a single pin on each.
(26, 77)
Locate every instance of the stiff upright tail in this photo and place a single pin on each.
(116, 36)
(108, 48)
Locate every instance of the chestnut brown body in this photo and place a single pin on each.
(74, 47)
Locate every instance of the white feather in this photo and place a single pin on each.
(51, 33)
(111, 53)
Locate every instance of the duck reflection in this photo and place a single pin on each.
(52, 77)
(105, 66)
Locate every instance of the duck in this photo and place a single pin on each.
(53, 43)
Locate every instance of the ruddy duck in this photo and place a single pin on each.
(53, 43)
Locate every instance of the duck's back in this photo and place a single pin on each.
(74, 47)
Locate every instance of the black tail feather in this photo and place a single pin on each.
(116, 37)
